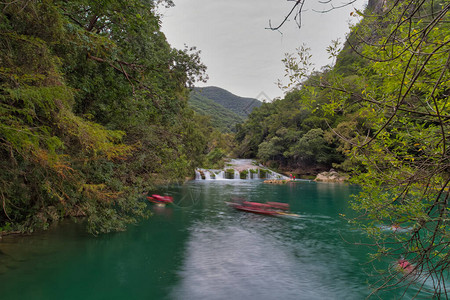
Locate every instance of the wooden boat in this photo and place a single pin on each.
(257, 205)
(158, 199)
(269, 208)
(257, 209)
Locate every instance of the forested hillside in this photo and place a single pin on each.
(289, 134)
(239, 105)
(223, 119)
(93, 111)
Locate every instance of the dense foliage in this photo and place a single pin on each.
(239, 105)
(93, 109)
(388, 95)
(223, 119)
(405, 154)
(292, 133)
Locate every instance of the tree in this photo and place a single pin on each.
(290, 133)
(402, 93)
(93, 111)
(268, 150)
(312, 148)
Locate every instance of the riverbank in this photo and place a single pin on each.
(331, 176)
(316, 173)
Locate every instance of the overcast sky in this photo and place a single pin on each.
(241, 55)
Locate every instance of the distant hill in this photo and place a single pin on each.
(222, 118)
(225, 109)
(240, 105)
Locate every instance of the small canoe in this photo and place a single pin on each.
(268, 205)
(260, 208)
(256, 210)
(257, 205)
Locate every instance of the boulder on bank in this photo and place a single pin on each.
(331, 176)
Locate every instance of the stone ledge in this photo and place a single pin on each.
(331, 176)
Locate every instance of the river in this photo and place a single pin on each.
(200, 248)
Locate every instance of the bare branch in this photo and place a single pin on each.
(298, 5)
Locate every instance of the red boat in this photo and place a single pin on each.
(257, 208)
(158, 199)
(256, 205)
(269, 208)
(278, 205)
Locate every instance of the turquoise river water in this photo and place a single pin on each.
(200, 248)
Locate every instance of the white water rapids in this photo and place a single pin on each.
(238, 169)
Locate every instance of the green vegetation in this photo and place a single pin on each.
(239, 105)
(93, 108)
(229, 173)
(263, 173)
(384, 105)
(404, 93)
(290, 134)
(222, 118)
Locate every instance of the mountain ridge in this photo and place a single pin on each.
(242, 106)
(225, 108)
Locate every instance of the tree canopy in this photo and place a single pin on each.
(93, 111)
(292, 133)
(388, 93)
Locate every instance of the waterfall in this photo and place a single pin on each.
(273, 175)
(220, 175)
(253, 172)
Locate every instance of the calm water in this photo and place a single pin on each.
(202, 249)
